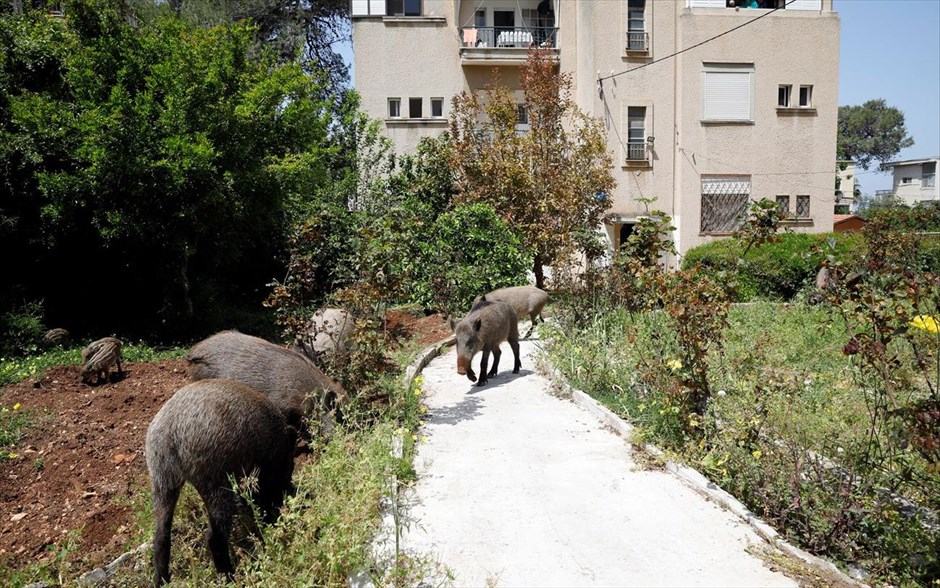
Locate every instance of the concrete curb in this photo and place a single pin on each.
(702, 485)
(424, 358)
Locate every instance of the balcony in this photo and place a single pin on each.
(504, 45)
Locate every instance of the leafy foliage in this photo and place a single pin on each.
(872, 132)
(548, 183)
(156, 160)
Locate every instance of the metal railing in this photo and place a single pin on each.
(637, 151)
(638, 41)
(513, 37)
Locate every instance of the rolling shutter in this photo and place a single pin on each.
(727, 95)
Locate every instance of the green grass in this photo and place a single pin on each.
(17, 369)
(782, 393)
(13, 422)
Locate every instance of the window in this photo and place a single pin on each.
(394, 108)
(806, 96)
(479, 19)
(636, 133)
(905, 180)
(415, 107)
(783, 205)
(530, 18)
(522, 115)
(802, 206)
(636, 25)
(727, 92)
(368, 8)
(724, 202)
(929, 173)
(783, 96)
(437, 107)
(403, 7)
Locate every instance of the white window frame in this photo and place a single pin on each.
(809, 96)
(362, 8)
(714, 111)
(440, 101)
(420, 106)
(631, 141)
(788, 88)
(395, 101)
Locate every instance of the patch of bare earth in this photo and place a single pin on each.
(81, 465)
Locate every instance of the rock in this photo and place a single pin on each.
(18, 517)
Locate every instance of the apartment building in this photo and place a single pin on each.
(915, 180)
(700, 118)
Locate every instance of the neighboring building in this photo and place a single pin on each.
(847, 223)
(915, 180)
(846, 192)
(747, 115)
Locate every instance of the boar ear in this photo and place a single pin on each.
(477, 324)
(483, 298)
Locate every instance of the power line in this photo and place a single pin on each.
(600, 79)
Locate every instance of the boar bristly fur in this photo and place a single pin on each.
(205, 434)
(524, 300)
(486, 326)
(293, 383)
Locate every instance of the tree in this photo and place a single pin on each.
(872, 132)
(548, 183)
(151, 167)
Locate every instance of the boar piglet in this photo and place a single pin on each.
(486, 326)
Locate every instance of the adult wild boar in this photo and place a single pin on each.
(327, 333)
(486, 326)
(292, 382)
(207, 432)
(524, 300)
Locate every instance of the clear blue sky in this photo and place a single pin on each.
(890, 50)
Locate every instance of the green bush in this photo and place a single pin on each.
(21, 329)
(777, 270)
(470, 251)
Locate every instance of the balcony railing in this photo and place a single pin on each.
(638, 41)
(637, 152)
(508, 37)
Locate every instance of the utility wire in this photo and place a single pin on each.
(600, 79)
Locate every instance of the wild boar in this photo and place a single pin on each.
(207, 432)
(292, 382)
(98, 358)
(56, 337)
(486, 326)
(524, 300)
(327, 334)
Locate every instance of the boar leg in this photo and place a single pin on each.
(164, 503)
(515, 352)
(483, 362)
(221, 506)
(496, 354)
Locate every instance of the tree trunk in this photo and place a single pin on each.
(538, 271)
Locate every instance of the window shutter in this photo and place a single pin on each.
(727, 96)
(707, 4)
(360, 8)
(377, 7)
(805, 5)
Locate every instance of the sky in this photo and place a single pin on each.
(890, 49)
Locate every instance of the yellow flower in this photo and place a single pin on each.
(423, 409)
(414, 437)
(16, 406)
(417, 391)
(400, 431)
(674, 364)
(13, 455)
(926, 323)
(756, 453)
(424, 438)
(5, 409)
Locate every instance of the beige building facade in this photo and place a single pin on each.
(700, 118)
(915, 180)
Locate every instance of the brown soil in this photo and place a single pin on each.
(80, 467)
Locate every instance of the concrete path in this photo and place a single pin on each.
(517, 487)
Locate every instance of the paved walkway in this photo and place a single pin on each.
(517, 487)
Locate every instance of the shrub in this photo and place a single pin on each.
(470, 251)
(776, 270)
(21, 329)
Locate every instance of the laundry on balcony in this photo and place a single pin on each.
(469, 37)
(514, 39)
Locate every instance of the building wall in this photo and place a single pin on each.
(915, 191)
(784, 152)
(408, 57)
